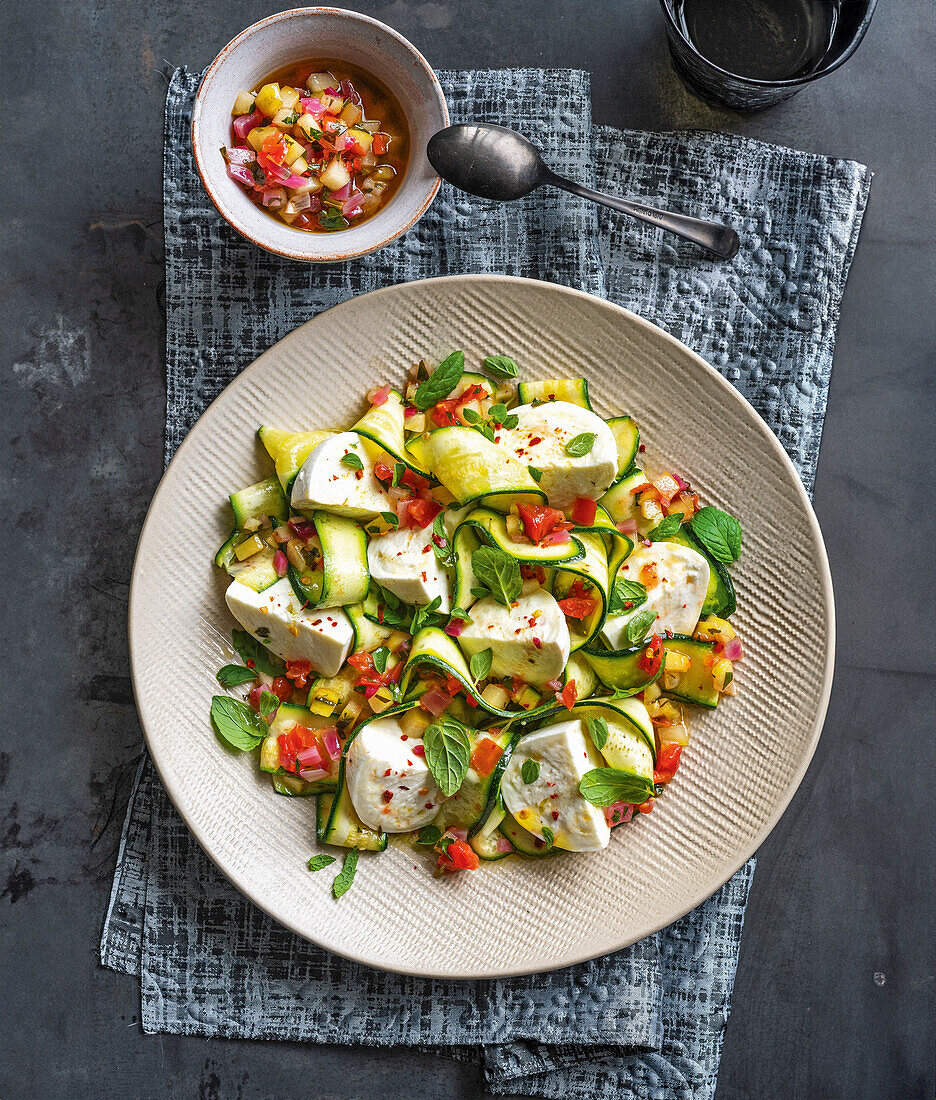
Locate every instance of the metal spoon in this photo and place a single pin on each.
(493, 162)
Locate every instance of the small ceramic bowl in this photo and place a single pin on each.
(290, 36)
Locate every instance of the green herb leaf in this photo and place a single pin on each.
(626, 592)
(424, 616)
(501, 366)
(535, 474)
(351, 460)
(441, 382)
(390, 517)
(345, 876)
(667, 528)
(448, 752)
(316, 863)
(598, 731)
(549, 836)
(459, 613)
(480, 593)
(471, 416)
(498, 572)
(268, 704)
(605, 786)
(379, 657)
(236, 723)
(428, 836)
(398, 471)
(480, 663)
(250, 650)
(718, 532)
(440, 543)
(580, 445)
(445, 841)
(530, 770)
(497, 413)
(511, 421)
(636, 629)
(232, 676)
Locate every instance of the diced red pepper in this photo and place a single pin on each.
(584, 511)
(577, 608)
(459, 856)
(445, 413)
(667, 762)
(538, 520)
(282, 689)
(362, 661)
(275, 148)
(485, 756)
(422, 512)
(452, 686)
(380, 144)
(652, 657)
(568, 695)
(646, 807)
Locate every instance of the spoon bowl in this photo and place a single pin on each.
(494, 162)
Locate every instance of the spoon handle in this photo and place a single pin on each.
(718, 239)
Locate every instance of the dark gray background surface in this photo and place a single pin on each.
(834, 996)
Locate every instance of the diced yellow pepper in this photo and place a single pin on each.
(713, 629)
(677, 662)
(351, 113)
(495, 696)
(248, 548)
(289, 96)
(650, 693)
(722, 673)
(259, 134)
(269, 100)
(299, 166)
(650, 508)
(294, 150)
(335, 176)
(527, 698)
(362, 137)
(243, 104)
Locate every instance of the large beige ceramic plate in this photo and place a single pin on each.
(513, 917)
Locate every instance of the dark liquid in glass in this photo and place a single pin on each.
(760, 39)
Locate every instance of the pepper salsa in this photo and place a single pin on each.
(320, 144)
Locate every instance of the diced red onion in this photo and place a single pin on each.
(459, 834)
(554, 685)
(733, 650)
(279, 172)
(554, 538)
(245, 123)
(312, 105)
(370, 690)
(353, 205)
(300, 202)
(282, 534)
(455, 627)
(379, 397)
(331, 743)
(409, 411)
(436, 701)
(240, 173)
(679, 481)
(504, 845)
(301, 528)
(273, 196)
(280, 563)
(311, 774)
(254, 697)
(310, 757)
(329, 91)
(295, 181)
(240, 155)
(618, 813)
(628, 527)
(342, 193)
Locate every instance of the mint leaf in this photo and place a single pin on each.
(535, 474)
(501, 366)
(439, 542)
(235, 723)
(390, 517)
(316, 863)
(448, 753)
(580, 445)
(232, 676)
(480, 593)
(667, 528)
(379, 657)
(625, 592)
(345, 876)
(605, 786)
(441, 382)
(530, 770)
(498, 572)
(398, 471)
(471, 416)
(428, 836)
(718, 532)
(426, 616)
(598, 731)
(636, 629)
(480, 663)
(352, 461)
(549, 836)
(268, 704)
(255, 655)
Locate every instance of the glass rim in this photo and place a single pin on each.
(790, 82)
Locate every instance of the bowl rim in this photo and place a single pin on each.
(303, 256)
(732, 864)
(789, 82)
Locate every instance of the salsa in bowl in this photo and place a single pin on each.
(309, 132)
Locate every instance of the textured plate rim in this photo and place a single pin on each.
(717, 878)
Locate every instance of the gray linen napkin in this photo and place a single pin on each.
(647, 1021)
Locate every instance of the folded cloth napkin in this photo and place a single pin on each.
(647, 1021)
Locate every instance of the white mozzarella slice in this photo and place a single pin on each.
(322, 637)
(529, 641)
(390, 786)
(540, 440)
(404, 562)
(676, 578)
(324, 481)
(564, 754)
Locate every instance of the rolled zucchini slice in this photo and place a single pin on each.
(477, 471)
(492, 527)
(618, 546)
(342, 577)
(573, 390)
(619, 501)
(697, 684)
(476, 799)
(631, 713)
(619, 669)
(720, 595)
(263, 501)
(627, 437)
(289, 450)
(286, 718)
(592, 568)
(383, 425)
(525, 843)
